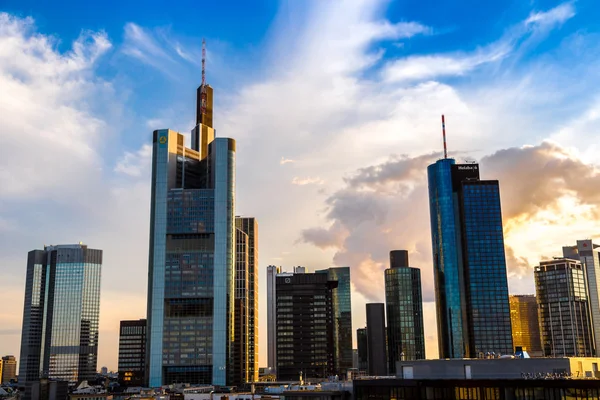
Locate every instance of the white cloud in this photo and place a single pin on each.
(414, 68)
(555, 16)
(136, 164)
(307, 181)
(434, 66)
(284, 161)
(48, 133)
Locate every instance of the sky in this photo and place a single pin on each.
(335, 107)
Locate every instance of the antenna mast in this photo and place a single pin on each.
(203, 86)
(444, 135)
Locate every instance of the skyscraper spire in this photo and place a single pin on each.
(203, 85)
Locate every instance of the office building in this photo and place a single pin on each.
(563, 309)
(363, 349)
(342, 307)
(240, 338)
(60, 318)
(588, 254)
(192, 255)
(525, 324)
(272, 272)
(471, 286)
(495, 378)
(247, 288)
(8, 369)
(304, 326)
(404, 309)
(376, 340)
(132, 353)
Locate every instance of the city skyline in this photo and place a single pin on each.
(344, 195)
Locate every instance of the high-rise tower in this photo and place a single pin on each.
(563, 306)
(246, 301)
(404, 306)
(471, 285)
(588, 254)
(61, 314)
(342, 307)
(272, 272)
(192, 255)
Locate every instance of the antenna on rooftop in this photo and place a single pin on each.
(203, 86)
(443, 134)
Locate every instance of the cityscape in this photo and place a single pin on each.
(442, 264)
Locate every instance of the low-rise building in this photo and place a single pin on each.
(499, 368)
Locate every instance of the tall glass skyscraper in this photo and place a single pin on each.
(342, 307)
(588, 254)
(564, 312)
(192, 255)
(404, 309)
(248, 290)
(471, 284)
(61, 314)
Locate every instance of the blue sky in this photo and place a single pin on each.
(335, 106)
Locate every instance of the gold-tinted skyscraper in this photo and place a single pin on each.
(525, 324)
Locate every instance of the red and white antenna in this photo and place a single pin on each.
(444, 134)
(203, 86)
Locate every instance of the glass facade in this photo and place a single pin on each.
(469, 262)
(61, 314)
(304, 326)
(525, 324)
(563, 309)
(447, 271)
(588, 254)
(342, 318)
(486, 282)
(247, 292)
(404, 309)
(191, 263)
(132, 353)
(362, 343)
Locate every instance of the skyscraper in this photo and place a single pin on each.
(471, 286)
(404, 306)
(363, 349)
(272, 272)
(376, 340)
(563, 309)
(342, 307)
(304, 326)
(588, 254)
(192, 255)
(132, 353)
(8, 369)
(61, 314)
(525, 324)
(249, 227)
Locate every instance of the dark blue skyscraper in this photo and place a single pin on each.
(469, 262)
